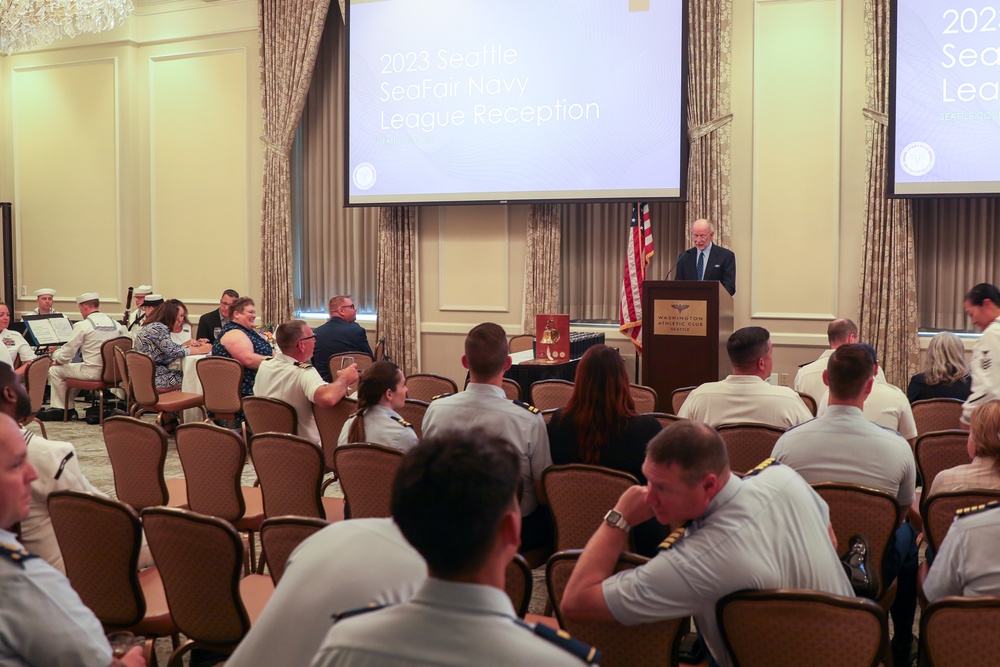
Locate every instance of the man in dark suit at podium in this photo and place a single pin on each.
(707, 261)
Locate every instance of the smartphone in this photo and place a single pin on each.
(345, 362)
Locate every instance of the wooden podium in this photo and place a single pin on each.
(685, 326)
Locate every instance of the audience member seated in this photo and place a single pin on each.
(210, 324)
(745, 396)
(341, 333)
(767, 530)
(809, 379)
(984, 449)
(841, 445)
(291, 378)
(946, 372)
(239, 341)
(180, 333)
(42, 619)
(455, 500)
(381, 393)
(600, 426)
(967, 564)
(886, 405)
(154, 340)
(13, 343)
(484, 404)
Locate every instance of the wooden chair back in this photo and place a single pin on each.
(645, 398)
(221, 378)
(961, 632)
(664, 418)
(126, 379)
(511, 389)
(269, 415)
(940, 450)
(579, 496)
(213, 458)
(290, 470)
(816, 629)
(425, 386)
(362, 359)
(938, 511)
(810, 402)
(142, 371)
(937, 414)
(413, 411)
(521, 343)
(281, 535)
(518, 583)
(748, 444)
(109, 371)
(678, 396)
(36, 375)
(548, 394)
(366, 472)
(138, 453)
(379, 352)
(621, 646)
(330, 422)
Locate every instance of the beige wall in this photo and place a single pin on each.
(133, 157)
(157, 132)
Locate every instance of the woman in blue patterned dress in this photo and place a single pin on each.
(239, 341)
(154, 341)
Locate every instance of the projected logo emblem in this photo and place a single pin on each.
(917, 159)
(364, 176)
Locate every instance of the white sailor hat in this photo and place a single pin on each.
(143, 290)
(88, 296)
(153, 300)
(45, 291)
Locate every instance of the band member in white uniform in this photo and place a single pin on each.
(44, 297)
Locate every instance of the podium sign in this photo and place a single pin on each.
(686, 324)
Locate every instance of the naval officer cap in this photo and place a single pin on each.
(153, 300)
(88, 296)
(143, 290)
(45, 291)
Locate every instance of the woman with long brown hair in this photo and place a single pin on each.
(381, 392)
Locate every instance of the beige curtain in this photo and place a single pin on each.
(888, 296)
(956, 243)
(542, 263)
(336, 247)
(290, 32)
(397, 281)
(709, 164)
(595, 238)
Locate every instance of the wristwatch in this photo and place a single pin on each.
(615, 519)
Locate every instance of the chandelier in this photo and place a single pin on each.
(28, 24)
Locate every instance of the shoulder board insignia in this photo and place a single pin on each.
(304, 365)
(563, 640)
(402, 421)
(15, 554)
(766, 463)
(442, 396)
(267, 358)
(527, 406)
(372, 606)
(672, 538)
(976, 509)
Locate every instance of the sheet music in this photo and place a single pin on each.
(62, 328)
(50, 330)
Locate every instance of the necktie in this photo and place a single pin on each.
(701, 266)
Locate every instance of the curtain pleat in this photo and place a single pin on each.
(397, 281)
(542, 265)
(888, 292)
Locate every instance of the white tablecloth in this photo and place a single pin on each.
(192, 385)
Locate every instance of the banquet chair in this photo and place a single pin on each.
(664, 418)
(645, 398)
(792, 627)
(521, 343)
(110, 378)
(511, 389)
(548, 394)
(220, 379)
(141, 370)
(961, 632)
(425, 386)
(290, 470)
(280, 536)
(36, 375)
(940, 450)
(378, 354)
(137, 451)
(269, 415)
(100, 539)
(362, 359)
(330, 422)
(626, 646)
(579, 495)
(213, 458)
(366, 472)
(810, 402)
(938, 511)
(678, 396)
(548, 414)
(200, 560)
(860, 510)
(518, 584)
(936, 414)
(130, 404)
(748, 444)
(413, 411)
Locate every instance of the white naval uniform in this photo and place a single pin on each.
(844, 446)
(887, 406)
(15, 346)
(486, 406)
(744, 399)
(88, 336)
(967, 563)
(58, 470)
(765, 531)
(446, 624)
(382, 566)
(985, 370)
(42, 619)
(35, 312)
(809, 379)
(383, 426)
(295, 383)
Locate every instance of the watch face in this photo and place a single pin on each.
(613, 516)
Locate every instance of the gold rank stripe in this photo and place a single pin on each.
(975, 509)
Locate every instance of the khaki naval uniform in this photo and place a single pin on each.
(88, 336)
(887, 406)
(744, 399)
(383, 426)
(967, 564)
(295, 383)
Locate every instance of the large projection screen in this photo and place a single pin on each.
(944, 109)
(499, 101)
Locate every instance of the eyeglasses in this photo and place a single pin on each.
(302, 340)
(349, 305)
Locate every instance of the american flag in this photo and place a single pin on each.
(640, 249)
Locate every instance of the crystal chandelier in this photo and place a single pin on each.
(28, 24)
